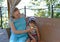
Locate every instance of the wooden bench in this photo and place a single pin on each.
(49, 29)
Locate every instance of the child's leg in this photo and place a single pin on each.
(28, 40)
(33, 40)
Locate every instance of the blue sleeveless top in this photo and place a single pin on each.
(20, 24)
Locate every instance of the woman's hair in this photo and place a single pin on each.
(15, 9)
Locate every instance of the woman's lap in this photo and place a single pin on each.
(23, 39)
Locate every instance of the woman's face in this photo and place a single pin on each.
(16, 14)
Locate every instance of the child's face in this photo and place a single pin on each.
(31, 24)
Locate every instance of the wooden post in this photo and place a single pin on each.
(1, 16)
(25, 10)
(52, 13)
(8, 9)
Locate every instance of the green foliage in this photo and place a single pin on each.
(50, 2)
(36, 3)
(1, 1)
(57, 6)
(57, 15)
(41, 13)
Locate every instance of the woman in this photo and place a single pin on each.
(18, 28)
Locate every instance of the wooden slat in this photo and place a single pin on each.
(8, 9)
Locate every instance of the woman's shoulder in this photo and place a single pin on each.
(22, 18)
(11, 21)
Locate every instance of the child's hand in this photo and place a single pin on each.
(30, 29)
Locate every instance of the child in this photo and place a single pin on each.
(34, 35)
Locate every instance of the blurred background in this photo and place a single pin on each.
(37, 8)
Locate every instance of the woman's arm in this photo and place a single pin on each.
(17, 31)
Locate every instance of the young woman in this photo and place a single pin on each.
(18, 28)
(34, 35)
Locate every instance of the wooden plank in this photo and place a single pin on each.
(8, 9)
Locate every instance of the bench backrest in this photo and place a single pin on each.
(49, 29)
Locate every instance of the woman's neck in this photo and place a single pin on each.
(17, 18)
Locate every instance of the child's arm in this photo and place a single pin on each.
(31, 35)
(38, 34)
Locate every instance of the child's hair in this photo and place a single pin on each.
(32, 21)
(14, 11)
